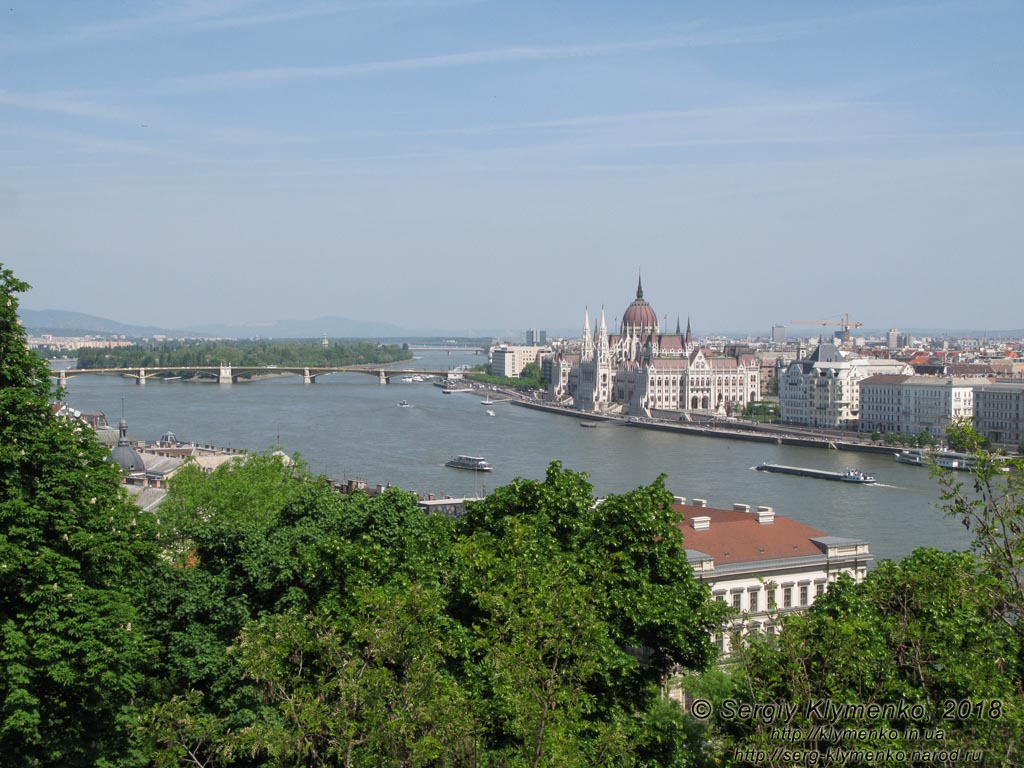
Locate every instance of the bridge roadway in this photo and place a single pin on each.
(226, 374)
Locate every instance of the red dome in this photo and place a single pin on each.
(639, 314)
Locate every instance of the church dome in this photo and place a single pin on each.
(124, 454)
(640, 314)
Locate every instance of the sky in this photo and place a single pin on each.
(485, 163)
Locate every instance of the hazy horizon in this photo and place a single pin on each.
(474, 163)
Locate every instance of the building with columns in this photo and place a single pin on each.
(642, 368)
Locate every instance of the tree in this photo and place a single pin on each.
(961, 436)
(303, 628)
(584, 609)
(991, 505)
(919, 632)
(73, 651)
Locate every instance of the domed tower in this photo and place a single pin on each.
(640, 328)
(124, 455)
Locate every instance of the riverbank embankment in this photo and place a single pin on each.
(721, 430)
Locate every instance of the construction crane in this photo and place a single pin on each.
(844, 323)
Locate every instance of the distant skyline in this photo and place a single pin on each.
(468, 164)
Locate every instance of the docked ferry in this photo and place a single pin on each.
(944, 459)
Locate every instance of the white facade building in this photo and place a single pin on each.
(643, 369)
(509, 360)
(764, 565)
(824, 389)
(912, 404)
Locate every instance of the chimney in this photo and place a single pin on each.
(700, 502)
(701, 523)
(679, 499)
(765, 515)
(741, 507)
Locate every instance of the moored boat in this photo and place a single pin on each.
(963, 462)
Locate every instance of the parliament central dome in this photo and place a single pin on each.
(639, 315)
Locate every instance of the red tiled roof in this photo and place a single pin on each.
(737, 537)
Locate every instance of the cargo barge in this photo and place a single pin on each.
(847, 475)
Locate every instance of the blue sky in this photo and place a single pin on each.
(460, 164)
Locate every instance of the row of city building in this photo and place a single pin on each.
(833, 389)
(641, 369)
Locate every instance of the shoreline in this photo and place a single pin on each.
(773, 434)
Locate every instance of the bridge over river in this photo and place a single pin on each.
(227, 374)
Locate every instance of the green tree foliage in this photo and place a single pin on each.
(302, 628)
(961, 436)
(990, 504)
(584, 609)
(73, 650)
(241, 353)
(921, 632)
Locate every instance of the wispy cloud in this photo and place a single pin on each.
(65, 104)
(172, 17)
(273, 76)
(297, 12)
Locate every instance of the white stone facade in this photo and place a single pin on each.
(824, 390)
(641, 369)
(764, 565)
(912, 404)
(509, 360)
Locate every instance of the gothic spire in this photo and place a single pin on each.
(639, 287)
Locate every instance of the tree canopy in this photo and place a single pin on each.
(73, 551)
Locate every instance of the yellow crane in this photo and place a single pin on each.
(844, 323)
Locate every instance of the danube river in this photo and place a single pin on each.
(350, 426)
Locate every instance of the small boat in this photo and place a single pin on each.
(856, 476)
(490, 412)
(588, 424)
(487, 401)
(475, 463)
(404, 404)
(407, 379)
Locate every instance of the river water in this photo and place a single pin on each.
(350, 426)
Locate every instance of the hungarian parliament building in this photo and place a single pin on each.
(640, 369)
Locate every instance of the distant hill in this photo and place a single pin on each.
(61, 323)
(332, 326)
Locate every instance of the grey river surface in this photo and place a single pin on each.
(350, 426)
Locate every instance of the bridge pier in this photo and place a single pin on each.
(308, 378)
(62, 378)
(225, 375)
(141, 381)
(381, 377)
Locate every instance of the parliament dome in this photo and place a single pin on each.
(640, 314)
